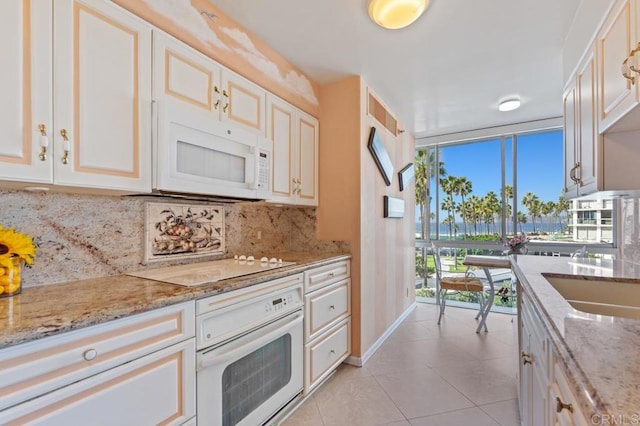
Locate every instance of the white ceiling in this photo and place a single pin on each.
(445, 73)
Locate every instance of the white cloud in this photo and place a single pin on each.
(293, 81)
(243, 40)
(302, 86)
(183, 14)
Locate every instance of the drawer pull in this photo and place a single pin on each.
(332, 274)
(332, 352)
(90, 354)
(526, 358)
(561, 405)
(332, 307)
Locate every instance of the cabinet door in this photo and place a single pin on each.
(156, 389)
(281, 131)
(25, 85)
(185, 76)
(570, 141)
(102, 97)
(242, 102)
(307, 172)
(587, 130)
(615, 40)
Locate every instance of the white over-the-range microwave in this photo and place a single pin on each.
(200, 155)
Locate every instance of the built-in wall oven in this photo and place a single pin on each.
(250, 352)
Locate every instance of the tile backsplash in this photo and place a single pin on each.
(88, 236)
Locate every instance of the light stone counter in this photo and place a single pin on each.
(600, 352)
(51, 309)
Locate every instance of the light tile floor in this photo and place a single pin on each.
(426, 375)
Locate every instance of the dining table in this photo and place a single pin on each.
(487, 263)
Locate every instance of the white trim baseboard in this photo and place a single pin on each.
(360, 361)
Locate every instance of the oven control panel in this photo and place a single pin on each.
(278, 303)
(219, 325)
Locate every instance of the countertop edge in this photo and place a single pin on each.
(155, 295)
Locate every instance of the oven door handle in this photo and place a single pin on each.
(220, 356)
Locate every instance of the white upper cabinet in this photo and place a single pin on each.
(295, 153)
(242, 102)
(194, 81)
(307, 158)
(88, 126)
(582, 142)
(102, 97)
(615, 40)
(25, 84)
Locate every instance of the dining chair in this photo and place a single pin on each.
(456, 284)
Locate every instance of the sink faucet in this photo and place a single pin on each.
(580, 253)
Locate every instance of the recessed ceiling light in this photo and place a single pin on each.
(395, 14)
(509, 104)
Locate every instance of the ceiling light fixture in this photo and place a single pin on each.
(509, 104)
(395, 14)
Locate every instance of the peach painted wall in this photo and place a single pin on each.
(351, 209)
(224, 40)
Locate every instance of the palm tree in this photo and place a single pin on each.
(464, 187)
(508, 194)
(522, 219)
(474, 212)
(421, 185)
(448, 185)
(562, 206)
(532, 203)
(548, 208)
(449, 206)
(491, 207)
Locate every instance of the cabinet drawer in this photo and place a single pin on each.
(31, 369)
(561, 388)
(324, 275)
(156, 389)
(326, 353)
(325, 307)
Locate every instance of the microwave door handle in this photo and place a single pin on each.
(253, 184)
(217, 357)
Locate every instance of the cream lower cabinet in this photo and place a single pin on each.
(136, 370)
(295, 153)
(327, 330)
(80, 117)
(545, 396)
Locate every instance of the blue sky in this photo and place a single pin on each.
(540, 168)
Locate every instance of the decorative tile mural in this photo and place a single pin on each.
(183, 230)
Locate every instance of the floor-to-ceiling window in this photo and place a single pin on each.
(473, 196)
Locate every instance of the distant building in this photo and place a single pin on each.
(591, 220)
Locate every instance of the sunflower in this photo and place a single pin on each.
(15, 244)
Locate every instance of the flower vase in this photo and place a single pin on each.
(10, 277)
(518, 250)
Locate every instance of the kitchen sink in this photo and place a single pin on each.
(600, 297)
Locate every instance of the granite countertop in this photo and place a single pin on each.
(51, 309)
(599, 351)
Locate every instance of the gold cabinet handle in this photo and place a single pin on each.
(578, 179)
(44, 142)
(228, 101)
(626, 71)
(66, 146)
(572, 174)
(563, 406)
(631, 65)
(526, 358)
(217, 103)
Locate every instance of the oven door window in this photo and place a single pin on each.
(253, 379)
